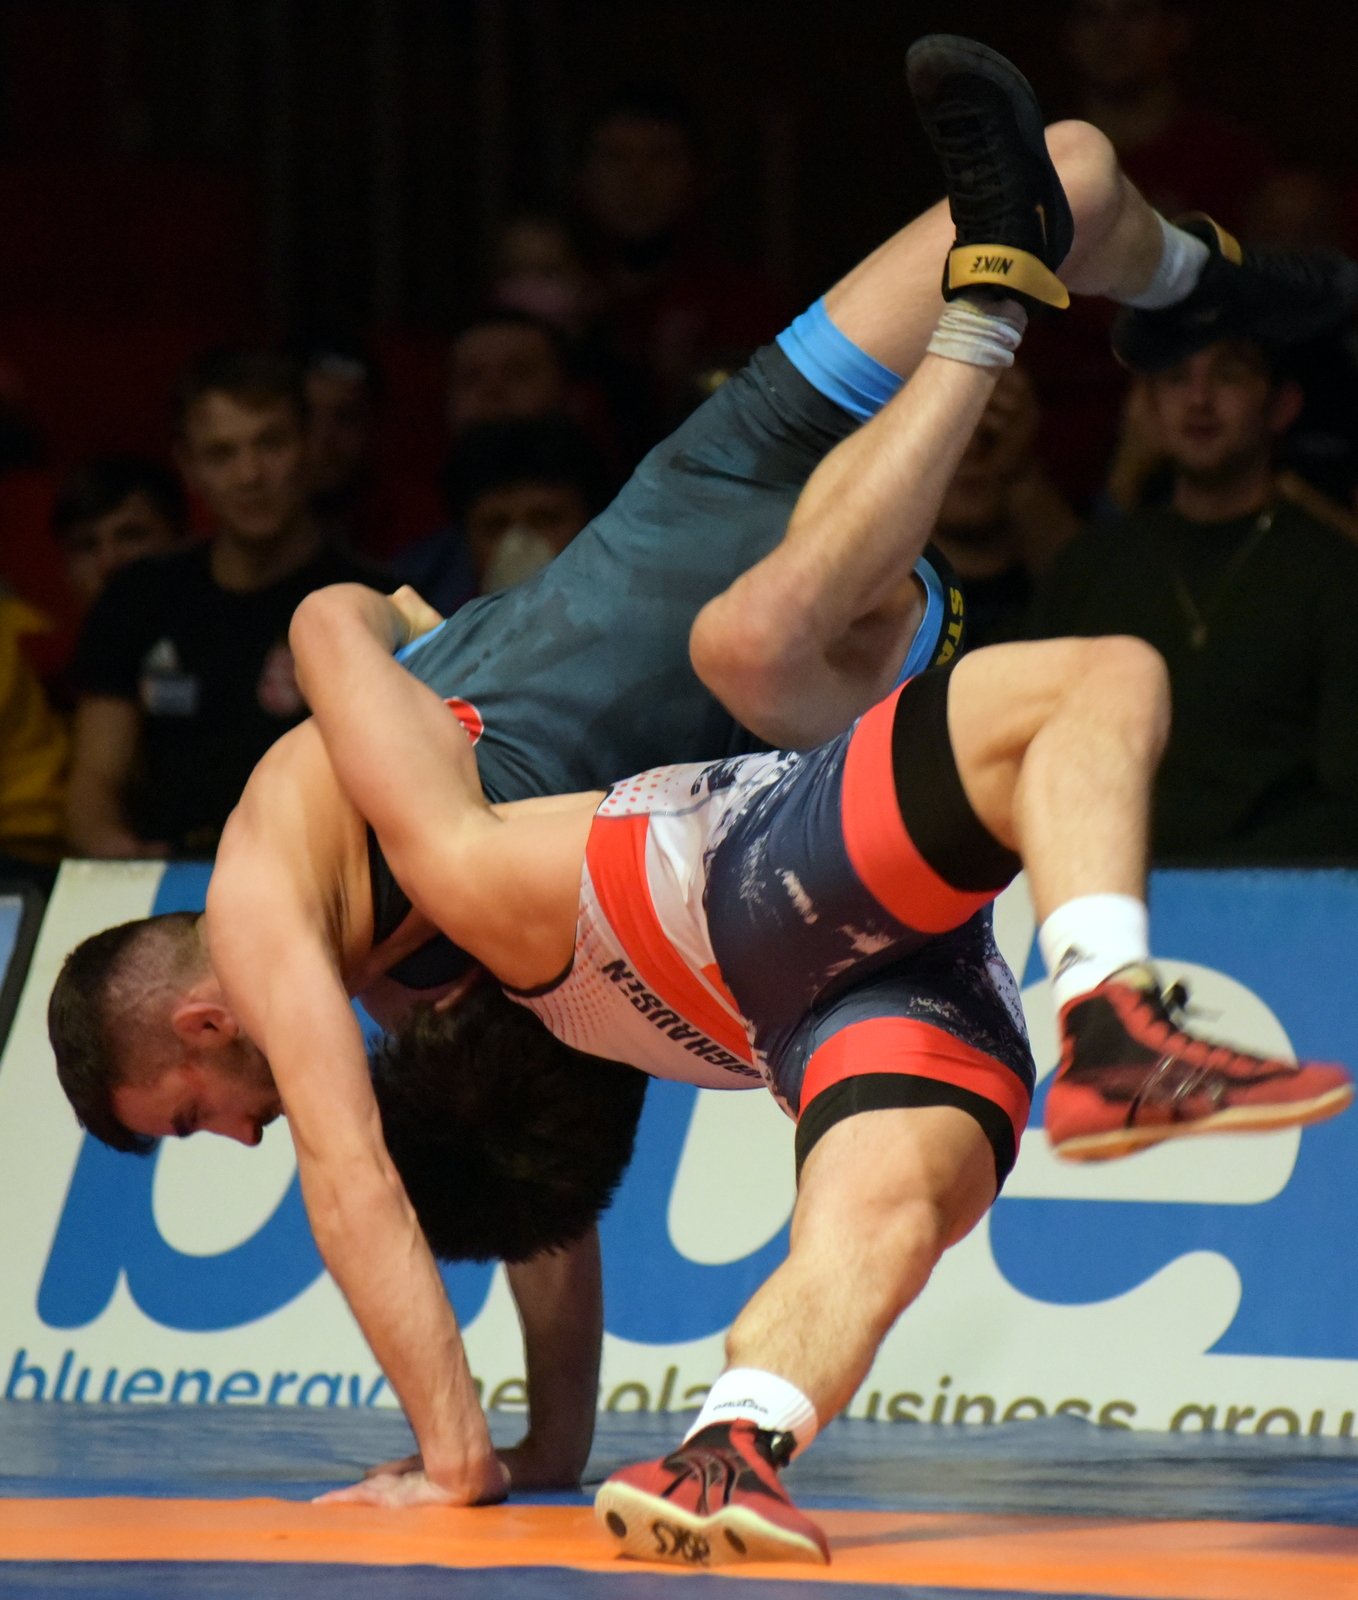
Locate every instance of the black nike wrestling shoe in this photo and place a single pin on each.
(1013, 222)
(1274, 297)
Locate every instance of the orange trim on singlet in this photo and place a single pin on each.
(914, 1049)
(616, 854)
(1042, 1556)
(880, 850)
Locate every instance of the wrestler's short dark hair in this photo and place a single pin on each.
(82, 1016)
(253, 377)
(510, 1144)
(99, 487)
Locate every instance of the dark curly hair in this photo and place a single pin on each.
(509, 1143)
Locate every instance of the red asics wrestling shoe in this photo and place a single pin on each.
(714, 1502)
(1131, 1077)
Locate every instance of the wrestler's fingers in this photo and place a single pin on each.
(373, 1491)
(396, 1469)
(419, 616)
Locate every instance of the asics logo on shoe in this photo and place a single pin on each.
(672, 1542)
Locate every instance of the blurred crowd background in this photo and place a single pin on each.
(294, 291)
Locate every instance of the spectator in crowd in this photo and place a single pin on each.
(538, 269)
(522, 491)
(1250, 599)
(362, 501)
(182, 670)
(33, 754)
(342, 387)
(111, 511)
(672, 304)
(1002, 519)
(519, 491)
(505, 363)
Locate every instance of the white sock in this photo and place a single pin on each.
(1182, 259)
(1084, 941)
(762, 1398)
(981, 332)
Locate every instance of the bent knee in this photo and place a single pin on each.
(1130, 659)
(1135, 675)
(1088, 168)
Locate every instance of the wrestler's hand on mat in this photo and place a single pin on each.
(396, 1490)
(416, 612)
(394, 1469)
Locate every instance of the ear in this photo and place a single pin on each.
(204, 1024)
(1285, 406)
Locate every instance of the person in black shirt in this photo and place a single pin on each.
(1250, 599)
(182, 670)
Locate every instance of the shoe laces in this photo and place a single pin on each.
(1171, 1011)
(714, 1467)
(973, 162)
(719, 1465)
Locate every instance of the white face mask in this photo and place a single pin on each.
(518, 554)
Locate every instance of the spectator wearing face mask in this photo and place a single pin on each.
(517, 493)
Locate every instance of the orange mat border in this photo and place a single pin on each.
(1045, 1555)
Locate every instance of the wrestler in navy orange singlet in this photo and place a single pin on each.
(819, 922)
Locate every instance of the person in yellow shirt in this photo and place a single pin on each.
(34, 747)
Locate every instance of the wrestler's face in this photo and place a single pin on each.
(230, 1092)
(1220, 411)
(248, 464)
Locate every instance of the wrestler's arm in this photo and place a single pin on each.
(281, 981)
(560, 1302)
(506, 891)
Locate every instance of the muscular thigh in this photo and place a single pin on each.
(874, 1167)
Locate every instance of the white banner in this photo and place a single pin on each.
(1203, 1285)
